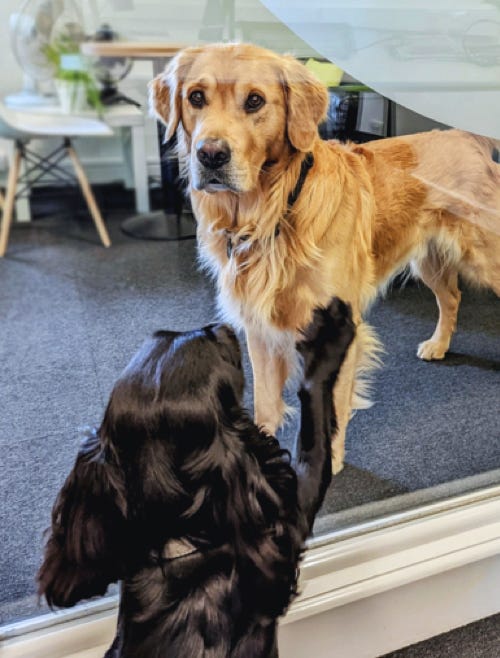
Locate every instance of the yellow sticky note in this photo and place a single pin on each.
(327, 72)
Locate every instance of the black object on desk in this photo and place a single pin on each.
(344, 113)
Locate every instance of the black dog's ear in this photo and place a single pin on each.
(83, 554)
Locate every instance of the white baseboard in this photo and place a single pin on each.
(371, 627)
(369, 591)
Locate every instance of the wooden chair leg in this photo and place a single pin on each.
(89, 197)
(10, 197)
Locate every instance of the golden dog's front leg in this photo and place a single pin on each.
(270, 372)
(343, 403)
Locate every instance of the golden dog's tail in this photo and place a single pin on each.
(370, 351)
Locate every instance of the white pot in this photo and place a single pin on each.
(72, 96)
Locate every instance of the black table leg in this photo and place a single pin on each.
(170, 223)
(173, 198)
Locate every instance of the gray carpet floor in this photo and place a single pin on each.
(73, 313)
(478, 640)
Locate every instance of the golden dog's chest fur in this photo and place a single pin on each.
(363, 213)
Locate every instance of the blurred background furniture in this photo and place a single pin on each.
(23, 127)
(128, 123)
(170, 223)
(129, 120)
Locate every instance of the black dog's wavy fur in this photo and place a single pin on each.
(176, 456)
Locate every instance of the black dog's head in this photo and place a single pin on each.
(175, 457)
(173, 401)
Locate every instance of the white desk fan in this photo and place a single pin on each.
(31, 31)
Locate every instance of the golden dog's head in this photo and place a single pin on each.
(238, 107)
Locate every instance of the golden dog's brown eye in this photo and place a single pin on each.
(197, 98)
(254, 102)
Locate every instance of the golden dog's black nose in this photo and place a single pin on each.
(213, 153)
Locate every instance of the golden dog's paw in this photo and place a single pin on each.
(337, 464)
(431, 350)
(338, 452)
(268, 428)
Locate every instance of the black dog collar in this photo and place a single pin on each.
(305, 166)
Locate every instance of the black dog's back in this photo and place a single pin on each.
(205, 611)
(223, 600)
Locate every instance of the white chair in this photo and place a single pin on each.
(22, 127)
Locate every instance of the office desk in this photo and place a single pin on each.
(133, 49)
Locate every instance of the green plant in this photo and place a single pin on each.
(56, 52)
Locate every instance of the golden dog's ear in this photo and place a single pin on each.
(163, 103)
(165, 91)
(307, 101)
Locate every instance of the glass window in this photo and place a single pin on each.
(73, 313)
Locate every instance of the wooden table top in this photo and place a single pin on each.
(135, 49)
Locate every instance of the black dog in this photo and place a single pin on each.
(183, 498)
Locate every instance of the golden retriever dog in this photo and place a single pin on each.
(287, 220)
